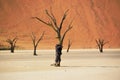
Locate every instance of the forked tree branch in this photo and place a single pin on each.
(47, 23)
(33, 38)
(41, 37)
(52, 17)
(65, 34)
(63, 18)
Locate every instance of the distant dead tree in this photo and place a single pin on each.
(100, 43)
(12, 43)
(35, 43)
(69, 45)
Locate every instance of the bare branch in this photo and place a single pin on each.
(33, 38)
(40, 38)
(69, 28)
(47, 23)
(15, 43)
(52, 17)
(53, 27)
(14, 39)
(63, 18)
(97, 42)
(69, 45)
(9, 41)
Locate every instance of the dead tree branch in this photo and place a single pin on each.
(69, 45)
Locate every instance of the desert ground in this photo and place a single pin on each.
(83, 64)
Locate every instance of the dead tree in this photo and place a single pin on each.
(54, 25)
(12, 43)
(100, 44)
(35, 43)
(69, 45)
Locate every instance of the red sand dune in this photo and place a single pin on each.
(93, 19)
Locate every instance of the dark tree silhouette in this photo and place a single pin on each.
(57, 29)
(69, 45)
(35, 43)
(12, 43)
(100, 43)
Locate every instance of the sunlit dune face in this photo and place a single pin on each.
(92, 19)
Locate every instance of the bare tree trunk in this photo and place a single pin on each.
(101, 50)
(35, 51)
(12, 49)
